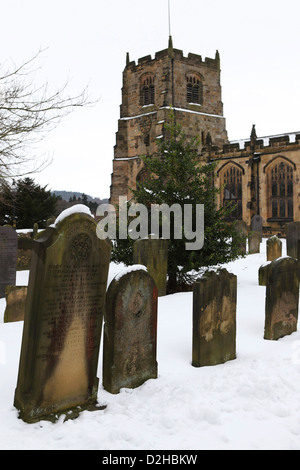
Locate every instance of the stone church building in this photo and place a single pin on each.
(259, 175)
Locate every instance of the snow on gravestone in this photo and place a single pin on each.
(282, 298)
(214, 318)
(8, 258)
(130, 331)
(63, 319)
(153, 253)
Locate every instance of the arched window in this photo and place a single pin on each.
(147, 90)
(281, 188)
(194, 90)
(232, 190)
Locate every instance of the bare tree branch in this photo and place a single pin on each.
(27, 112)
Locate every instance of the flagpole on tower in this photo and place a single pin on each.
(169, 16)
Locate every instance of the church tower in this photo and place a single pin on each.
(189, 85)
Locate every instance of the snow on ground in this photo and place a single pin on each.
(249, 403)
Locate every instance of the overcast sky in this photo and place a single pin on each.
(86, 42)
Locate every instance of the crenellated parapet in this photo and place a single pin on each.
(191, 59)
(265, 145)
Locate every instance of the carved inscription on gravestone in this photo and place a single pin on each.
(130, 329)
(8, 258)
(63, 320)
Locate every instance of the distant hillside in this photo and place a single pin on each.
(66, 195)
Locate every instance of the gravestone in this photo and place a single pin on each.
(254, 240)
(292, 237)
(63, 321)
(274, 248)
(263, 273)
(214, 319)
(24, 251)
(8, 258)
(153, 253)
(256, 225)
(282, 298)
(241, 230)
(130, 329)
(15, 303)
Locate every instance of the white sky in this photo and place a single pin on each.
(86, 42)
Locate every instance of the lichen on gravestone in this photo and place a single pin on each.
(63, 320)
(214, 318)
(130, 331)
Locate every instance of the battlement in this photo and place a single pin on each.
(268, 144)
(192, 59)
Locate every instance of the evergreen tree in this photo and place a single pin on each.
(175, 176)
(25, 202)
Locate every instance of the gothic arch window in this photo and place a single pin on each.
(147, 90)
(281, 189)
(194, 89)
(232, 193)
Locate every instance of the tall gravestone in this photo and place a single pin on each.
(282, 298)
(8, 258)
(63, 320)
(274, 248)
(292, 237)
(130, 329)
(153, 253)
(254, 240)
(241, 230)
(256, 225)
(214, 319)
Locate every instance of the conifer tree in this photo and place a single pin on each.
(175, 176)
(25, 203)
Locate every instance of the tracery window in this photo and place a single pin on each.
(194, 91)
(147, 90)
(281, 190)
(232, 191)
